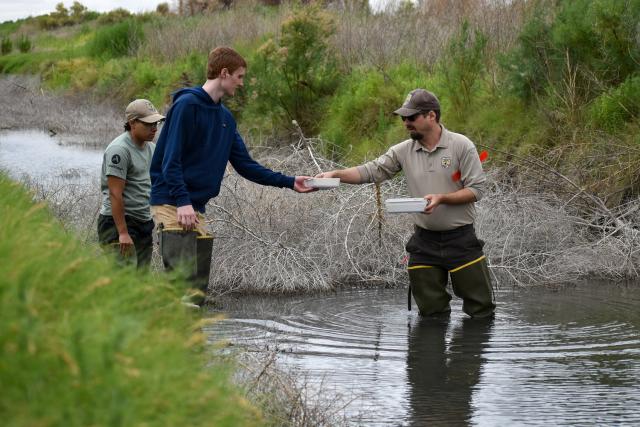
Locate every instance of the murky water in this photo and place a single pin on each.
(41, 158)
(550, 357)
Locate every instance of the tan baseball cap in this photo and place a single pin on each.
(418, 101)
(143, 110)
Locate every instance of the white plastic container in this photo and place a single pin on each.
(322, 183)
(405, 205)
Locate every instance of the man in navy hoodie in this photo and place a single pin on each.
(199, 137)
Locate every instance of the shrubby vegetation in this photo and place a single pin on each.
(85, 343)
(358, 119)
(63, 16)
(6, 45)
(295, 73)
(116, 40)
(24, 44)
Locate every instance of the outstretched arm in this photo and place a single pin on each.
(349, 175)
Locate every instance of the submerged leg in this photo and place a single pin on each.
(428, 286)
(472, 283)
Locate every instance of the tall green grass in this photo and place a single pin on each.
(83, 342)
(116, 40)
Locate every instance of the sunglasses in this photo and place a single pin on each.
(411, 118)
(151, 125)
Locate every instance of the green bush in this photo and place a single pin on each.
(595, 39)
(58, 18)
(114, 16)
(116, 40)
(85, 342)
(359, 120)
(78, 12)
(146, 74)
(463, 67)
(6, 46)
(24, 44)
(292, 77)
(613, 108)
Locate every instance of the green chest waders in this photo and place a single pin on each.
(428, 286)
(472, 283)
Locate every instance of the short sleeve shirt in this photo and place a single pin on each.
(452, 165)
(124, 159)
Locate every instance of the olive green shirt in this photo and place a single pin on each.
(124, 159)
(432, 172)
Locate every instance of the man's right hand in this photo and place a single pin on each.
(187, 217)
(126, 244)
(330, 174)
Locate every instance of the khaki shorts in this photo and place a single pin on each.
(167, 215)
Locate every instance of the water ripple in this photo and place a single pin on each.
(569, 357)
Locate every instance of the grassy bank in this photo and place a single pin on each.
(85, 343)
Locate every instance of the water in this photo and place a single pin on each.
(43, 159)
(567, 356)
(551, 357)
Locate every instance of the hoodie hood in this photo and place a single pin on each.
(198, 92)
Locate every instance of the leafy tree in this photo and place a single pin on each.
(78, 12)
(295, 74)
(162, 8)
(596, 39)
(61, 13)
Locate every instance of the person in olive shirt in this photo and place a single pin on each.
(125, 216)
(445, 169)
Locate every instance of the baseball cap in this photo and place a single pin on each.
(143, 110)
(418, 101)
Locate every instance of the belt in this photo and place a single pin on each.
(434, 233)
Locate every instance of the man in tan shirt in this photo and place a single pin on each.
(444, 168)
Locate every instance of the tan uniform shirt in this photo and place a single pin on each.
(431, 172)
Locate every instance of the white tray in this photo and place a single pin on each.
(322, 183)
(405, 205)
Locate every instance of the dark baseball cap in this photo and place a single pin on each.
(418, 101)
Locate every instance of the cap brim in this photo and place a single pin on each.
(405, 112)
(152, 118)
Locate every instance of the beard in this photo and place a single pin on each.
(415, 135)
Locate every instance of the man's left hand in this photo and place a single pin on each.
(299, 185)
(433, 200)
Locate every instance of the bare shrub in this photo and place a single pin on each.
(544, 226)
(269, 240)
(172, 39)
(75, 203)
(287, 397)
(273, 240)
(25, 105)
(420, 36)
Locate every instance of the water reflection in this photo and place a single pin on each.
(442, 378)
(567, 356)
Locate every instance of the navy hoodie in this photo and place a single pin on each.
(197, 140)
